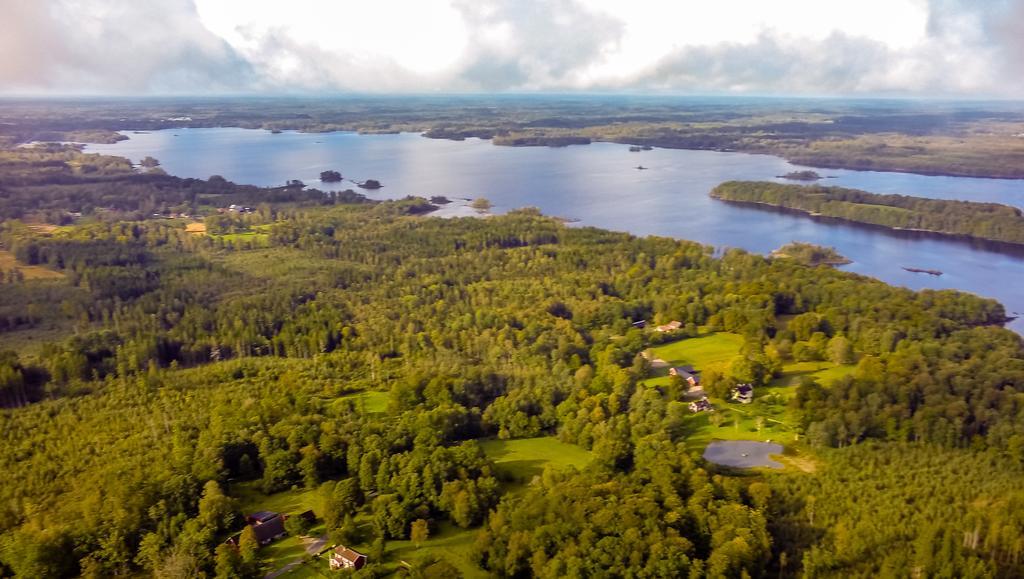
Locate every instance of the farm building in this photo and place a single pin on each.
(669, 327)
(268, 526)
(687, 373)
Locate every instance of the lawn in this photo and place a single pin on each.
(524, 458)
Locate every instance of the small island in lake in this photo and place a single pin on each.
(638, 148)
(330, 176)
(989, 221)
(440, 200)
(370, 184)
(810, 254)
(801, 176)
(919, 270)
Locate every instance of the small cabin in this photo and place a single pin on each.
(344, 558)
(702, 405)
(744, 393)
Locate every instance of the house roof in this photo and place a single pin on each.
(269, 529)
(348, 554)
(262, 516)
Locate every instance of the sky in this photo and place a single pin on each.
(917, 48)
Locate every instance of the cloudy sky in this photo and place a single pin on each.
(956, 48)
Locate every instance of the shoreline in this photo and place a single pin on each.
(574, 140)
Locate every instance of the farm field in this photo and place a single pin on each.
(8, 263)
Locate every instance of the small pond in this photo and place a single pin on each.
(743, 453)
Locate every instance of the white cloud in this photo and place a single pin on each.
(919, 47)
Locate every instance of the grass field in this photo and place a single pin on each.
(255, 238)
(703, 353)
(522, 459)
(824, 372)
(369, 401)
(251, 499)
(8, 263)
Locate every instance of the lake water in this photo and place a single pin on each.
(743, 453)
(599, 185)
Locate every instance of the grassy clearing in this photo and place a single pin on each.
(524, 458)
(277, 263)
(712, 350)
(447, 542)
(370, 401)
(251, 499)
(8, 263)
(703, 353)
(253, 237)
(29, 342)
(824, 372)
(288, 549)
(450, 543)
(767, 418)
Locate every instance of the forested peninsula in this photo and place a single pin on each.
(989, 221)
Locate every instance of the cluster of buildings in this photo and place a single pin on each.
(742, 393)
(235, 209)
(268, 527)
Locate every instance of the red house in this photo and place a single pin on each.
(344, 558)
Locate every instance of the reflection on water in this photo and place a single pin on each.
(599, 185)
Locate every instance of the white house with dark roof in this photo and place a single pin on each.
(743, 393)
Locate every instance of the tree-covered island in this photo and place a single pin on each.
(990, 221)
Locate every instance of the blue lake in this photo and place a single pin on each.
(599, 185)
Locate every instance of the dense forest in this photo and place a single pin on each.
(990, 221)
(165, 370)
